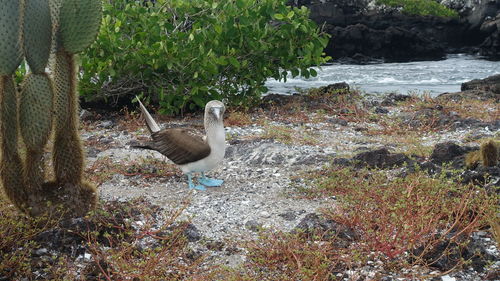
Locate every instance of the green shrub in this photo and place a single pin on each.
(185, 53)
(420, 7)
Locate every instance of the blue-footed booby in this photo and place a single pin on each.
(191, 152)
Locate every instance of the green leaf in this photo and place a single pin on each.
(234, 62)
(279, 16)
(218, 29)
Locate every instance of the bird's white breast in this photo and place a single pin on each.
(217, 141)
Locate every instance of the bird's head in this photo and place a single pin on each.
(215, 109)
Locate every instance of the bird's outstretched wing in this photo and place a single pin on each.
(180, 145)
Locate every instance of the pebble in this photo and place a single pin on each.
(265, 214)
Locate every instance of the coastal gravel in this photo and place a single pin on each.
(260, 176)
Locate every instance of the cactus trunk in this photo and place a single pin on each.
(68, 153)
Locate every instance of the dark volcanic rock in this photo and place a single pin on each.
(392, 98)
(481, 89)
(491, 45)
(448, 253)
(192, 233)
(381, 110)
(313, 224)
(470, 94)
(474, 123)
(337, 121)
(362, 32)
(489, 84)
(430, 117)
(446, 152)
(279, 100)
(391, 44)
(288, 215)
(340, 88)
(380, 158)
(484, 19)
(489, 176)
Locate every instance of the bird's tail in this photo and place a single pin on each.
(150, 122)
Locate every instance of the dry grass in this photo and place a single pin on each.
(126, 241)
(487, 110)
(285, 256)
(395, 216)
(16, 243)
(289, 135)
(411, 143)
(104, 168)
(238, 119)
(427, 115)
(340, 102)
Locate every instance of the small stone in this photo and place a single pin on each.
(337, 121)
(85, 115)
(192, 233)
(381, 110)
(108, 124)
(41, 252)
(288, 216)
(253, 225)
(345, 111)
(105, 140)
(448, 278)
(265, 214)
(92, 152)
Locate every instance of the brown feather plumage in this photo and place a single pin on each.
(182, 146)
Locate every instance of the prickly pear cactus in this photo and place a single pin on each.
(489, 153)
(37, 33)
(79, 21)
(10, 32)
(43, 29)
(35, 110)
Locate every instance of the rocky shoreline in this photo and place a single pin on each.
(363, 31)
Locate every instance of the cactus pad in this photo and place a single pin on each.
(10, 34)
(37, 34)
(11, 168)
(64, 82)
(35, 110)
(79, 23)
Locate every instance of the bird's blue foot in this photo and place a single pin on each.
(192, 185)
(197, 187)
(210, 182)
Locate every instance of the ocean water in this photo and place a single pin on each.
(423, 77)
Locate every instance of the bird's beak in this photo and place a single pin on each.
(217, 112)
